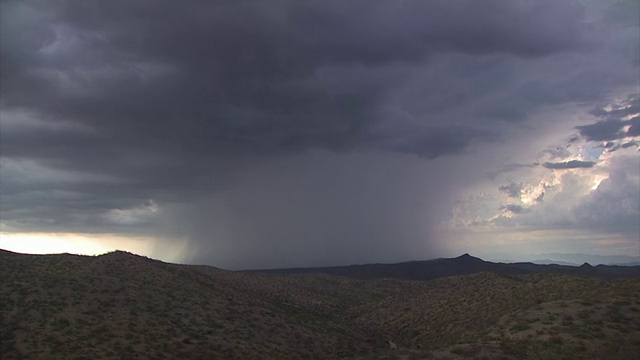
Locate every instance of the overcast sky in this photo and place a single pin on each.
(248, 134)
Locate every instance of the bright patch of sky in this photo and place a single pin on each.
(591, 192)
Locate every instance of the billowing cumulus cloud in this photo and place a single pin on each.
(615, 203)
(601, 203)
(306, 128)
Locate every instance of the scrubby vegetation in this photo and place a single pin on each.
(120, 305)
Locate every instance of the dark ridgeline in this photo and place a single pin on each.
(461, 265)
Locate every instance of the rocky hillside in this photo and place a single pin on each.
(124, 306)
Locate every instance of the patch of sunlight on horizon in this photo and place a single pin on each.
(72, 243)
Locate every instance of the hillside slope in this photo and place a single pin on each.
(120, 305)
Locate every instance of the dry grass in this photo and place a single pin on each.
(124, 306)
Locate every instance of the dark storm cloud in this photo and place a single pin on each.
(611, 129)
(430, 142)
(201, 78)
(170, 93)
(616, 123)
(573, 164)
(628, 106)
(611, 146)
(108, 104)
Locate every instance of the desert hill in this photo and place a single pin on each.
(123, 306)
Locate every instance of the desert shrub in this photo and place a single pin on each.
(465, 351)
(62, 323)
(584, 314)
(520, 327)
(556, 339)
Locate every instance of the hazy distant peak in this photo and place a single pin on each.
(580, 258)
(467, 257)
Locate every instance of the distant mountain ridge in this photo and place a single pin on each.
(550, 262)
(461, 265)
(579, 258)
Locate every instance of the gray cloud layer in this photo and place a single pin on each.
(201, 79)
(108, 104)
(573, 164)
